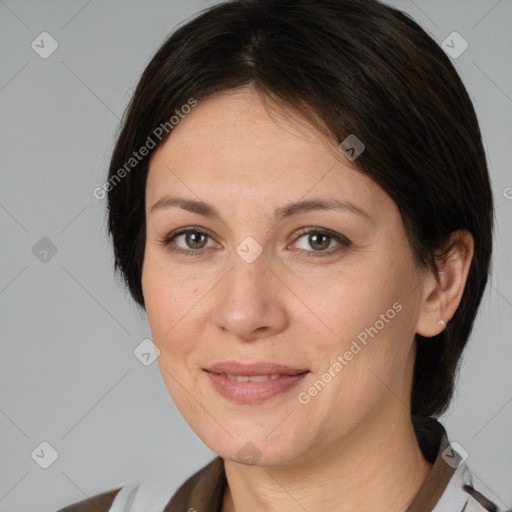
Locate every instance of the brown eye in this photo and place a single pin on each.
(191, 242)
(195, 239)
(319, 240)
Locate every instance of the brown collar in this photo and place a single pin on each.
(203, 491)
(435, 482)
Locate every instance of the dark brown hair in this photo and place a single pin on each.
(350, 67)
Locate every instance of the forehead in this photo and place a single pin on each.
(231, 144)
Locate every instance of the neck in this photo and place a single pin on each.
(375, 468)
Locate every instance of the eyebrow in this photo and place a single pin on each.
(207, 210)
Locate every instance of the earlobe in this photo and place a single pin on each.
(443, 292)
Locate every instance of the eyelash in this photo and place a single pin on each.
(344, 242)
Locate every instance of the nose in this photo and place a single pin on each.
(249, 302)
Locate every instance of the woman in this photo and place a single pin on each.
(299, 200)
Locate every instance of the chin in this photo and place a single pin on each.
(255, 448)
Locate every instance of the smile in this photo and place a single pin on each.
(253, 389)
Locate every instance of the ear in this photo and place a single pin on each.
(442, 294)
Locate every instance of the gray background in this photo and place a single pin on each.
(69, 375)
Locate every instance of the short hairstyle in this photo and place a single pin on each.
(349, 67)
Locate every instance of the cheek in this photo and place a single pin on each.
(365, 315)
(173, 307)
(345, 303)
(171, 298)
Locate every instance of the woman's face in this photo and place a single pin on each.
(253, 285)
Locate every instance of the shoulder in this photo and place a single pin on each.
(462, 494)
(98, 503)
(449, 487)
(205, 489)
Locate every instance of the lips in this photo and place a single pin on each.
(253, 383)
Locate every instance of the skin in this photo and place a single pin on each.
(246, 160)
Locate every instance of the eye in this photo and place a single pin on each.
(194, 240)
(319, 240)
